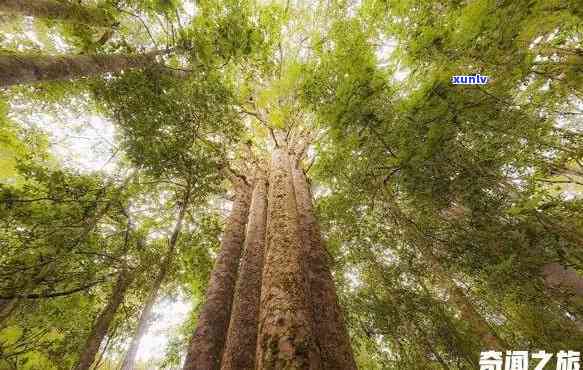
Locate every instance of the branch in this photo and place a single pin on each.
(232, 175)
(273, 137)
(53, 295)
(143, 23)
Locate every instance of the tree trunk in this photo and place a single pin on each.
(103, 322)
(25, 68)
(475, 319)
(144, 321)
(286, 338)
(332, 338)
(468, 312)
(58, 10)
(557, 276)
(7, 306)
(242, 335)
(425, 342)
(207, 343)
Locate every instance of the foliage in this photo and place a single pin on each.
(421, 185)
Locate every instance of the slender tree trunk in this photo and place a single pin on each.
(58, 10)
(7, 306)
(26, 68)
(332, 337)
(468, 312)
(144, 321)
(286, 339)
(207, 343)
(242, 335)
(103, 322)
(103, 351)
(420, 333)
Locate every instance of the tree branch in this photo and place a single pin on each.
(53, 295)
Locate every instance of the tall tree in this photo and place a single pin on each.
(468, 312)
(18, 69)
(241, 340)
(103, 322)
(146, 314)
(207, 343)
(59, 10)
(333, 339)
(486, 178)
(286, 336)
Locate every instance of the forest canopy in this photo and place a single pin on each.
(255, 184)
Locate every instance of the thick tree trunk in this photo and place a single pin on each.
(58, 10)
(25, 68)
(332, 337)
(103, 323)
(144, 320)
(207, 343)
(286, 339)
(242, 335)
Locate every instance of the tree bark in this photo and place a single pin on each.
(145, 316)
(242, 335)
(103, 322)
(207, 343)
(332, 338)
(286, 338)
(57, 10)
(25, 68)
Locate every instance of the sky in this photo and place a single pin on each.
(170, 315)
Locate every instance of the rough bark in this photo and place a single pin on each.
(58, 10)
(25, 68)
(286, 338)
(207, 343)
(242, 335)
(145, 316)
(333, 339)
(103, 322)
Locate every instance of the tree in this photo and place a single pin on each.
(208, 340)
(287, 336)
(308, 180)
(333, 339)
(103, 322)
(241, 339)
(145, 315)
(24, 69)
(50, 9)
